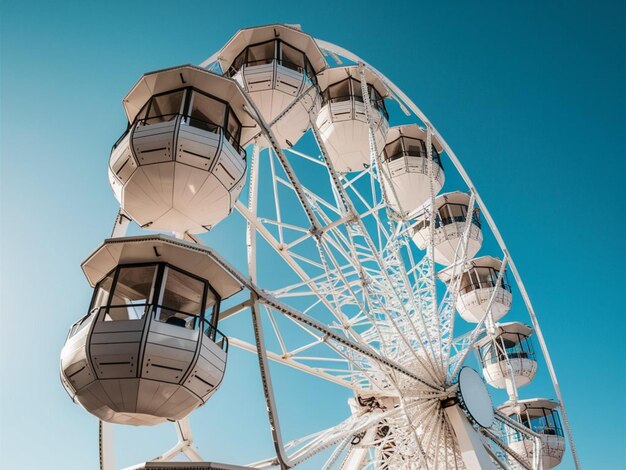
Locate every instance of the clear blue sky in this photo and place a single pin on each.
(531, 95)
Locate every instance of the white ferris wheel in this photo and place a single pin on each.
(358, 264)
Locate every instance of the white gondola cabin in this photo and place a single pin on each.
(342, 121)
(149, 349)
(406, 171)
(541, 416)
(181, 166)
(451, 213)
(477, 286)
(277, 66)
(507, 355)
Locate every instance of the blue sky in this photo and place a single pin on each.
(530, 95)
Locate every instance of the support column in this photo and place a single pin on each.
(106, 446)
(473, 452)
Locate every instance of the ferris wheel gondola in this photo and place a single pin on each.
(451, 214)
(405, 172)
(357, 227)
(181, 165)
(277, 66)
(508, 352)
(149, 349)
(343, 121)
(542, 416)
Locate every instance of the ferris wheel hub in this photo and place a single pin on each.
(474, 397)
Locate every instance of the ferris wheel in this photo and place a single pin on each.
(367, 269)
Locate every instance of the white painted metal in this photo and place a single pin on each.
(358, 452)
(106, 445)
(536, 463)
(184, 445)
(474, 454)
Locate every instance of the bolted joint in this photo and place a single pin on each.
(316, 233)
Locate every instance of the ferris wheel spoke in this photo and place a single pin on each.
(412, 430)
(452, 457)
(383, 438)
(507, 458)
(375, 166)
(294, 182)
(309, 158)
(288, 257)
(402, 308)
(435, 442)
(268, 237)
(438, 443)
(368, 370)
(321, 281)
(422, 306)
(342, 448)
(334, 268)
(346, 381)
(312, 197)
(308, 446)
(291, 256)
(341, 340)
(374, 160)
(279, 223)
(446, 445)
(397, 332)
(428, 368)
(349, 207)
(307, 260)
(447, 307)
(276, 330)
(284, 225)
(431, 429)
(339, 270)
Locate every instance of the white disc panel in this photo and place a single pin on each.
(476, 399)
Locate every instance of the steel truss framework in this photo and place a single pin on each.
(358, 306)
